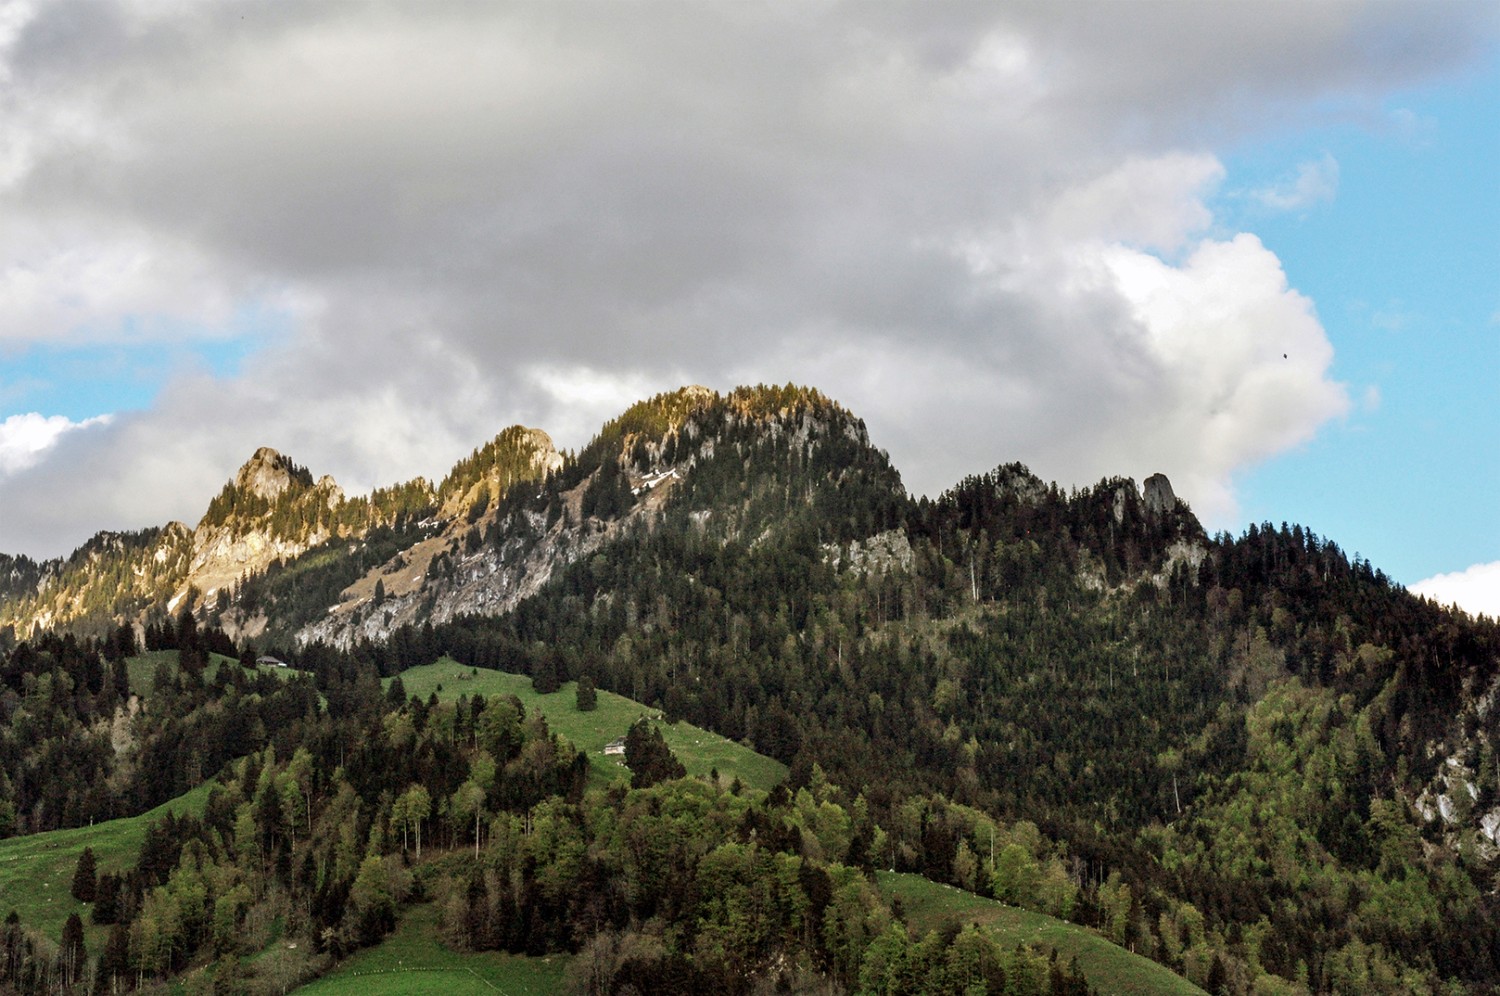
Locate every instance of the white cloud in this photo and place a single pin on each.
(1475, 590)
(1155, 204)
(89, 284)
(1315, 181)
(1244, 364)
(25, 439)
(1101, 359)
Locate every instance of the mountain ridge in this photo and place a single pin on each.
(1253, 758)
(271, 511)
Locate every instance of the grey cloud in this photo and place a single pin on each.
(455, 197)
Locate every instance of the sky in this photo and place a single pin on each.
(1254, 246)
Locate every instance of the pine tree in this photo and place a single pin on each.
(588, 699)
(544, 679)
(115, 962)
(648, 757)
(106, 899)
(1216, 976)
(85, 878)
(73, 955)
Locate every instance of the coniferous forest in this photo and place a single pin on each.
(1252, 759)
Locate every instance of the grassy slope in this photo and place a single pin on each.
(412, 961)
(142, 668)
(699, 750)
(1109, 967)
(37, 870)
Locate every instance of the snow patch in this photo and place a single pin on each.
(656, 477)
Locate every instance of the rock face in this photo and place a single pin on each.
(517, 453)
(266, 474)
(486, 556)
(233, 539)
(1158, 494)
(488, 581)
(887, 551)
(1015, 479)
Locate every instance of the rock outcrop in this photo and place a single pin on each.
(1158, 494)
(271, 510)
(267, 474)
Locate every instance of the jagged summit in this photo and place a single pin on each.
(657, 417)
(517, 453)
(268, 474)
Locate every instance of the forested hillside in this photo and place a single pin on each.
(1250, 758)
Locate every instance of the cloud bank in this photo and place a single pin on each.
(26, 438)
(989, 230)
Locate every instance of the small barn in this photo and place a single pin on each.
(615, 747)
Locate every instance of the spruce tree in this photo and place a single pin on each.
(544, 679)
(115, 962)
(85, 877)
(73, 955)
(106, 899)
(395, 693)
(588, 699)
(119, 675)
(648, 757)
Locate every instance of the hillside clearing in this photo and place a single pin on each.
(700, 751)
(38, 869)
(1109, 968)
(412, 961)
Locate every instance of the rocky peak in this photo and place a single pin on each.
(544, 455)
(1158, 494)
(1015, 479)
(517, 453)
(333, 495)
(267, 474)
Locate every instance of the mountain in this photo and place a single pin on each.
(112, 577)
(1251, 758)
(687, 453)
(266, 517)
(280, 556)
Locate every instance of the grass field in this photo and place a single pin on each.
(36, 871)
(699, 750)
(412, 961)
(141, 669)
(1109, 967)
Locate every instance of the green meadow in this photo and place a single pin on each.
(1109, 968)
(37, 870)
(700, 751)
(141, 668)
(412, 961)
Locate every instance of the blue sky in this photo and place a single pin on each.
(1404, 264)
(1251, 245)
(82, 382)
